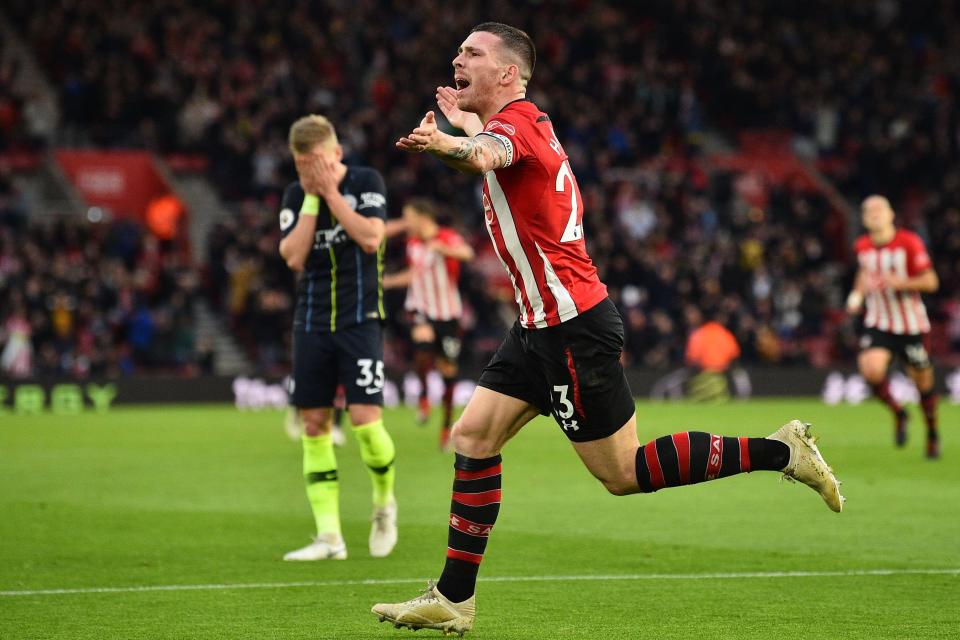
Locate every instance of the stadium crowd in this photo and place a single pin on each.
(867, 90)
(85, 300)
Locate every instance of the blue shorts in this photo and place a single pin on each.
(352, 357)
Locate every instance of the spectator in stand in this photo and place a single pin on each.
(864, 90)
(89, 301)
(711, 350)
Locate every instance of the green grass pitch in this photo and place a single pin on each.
(206, 496)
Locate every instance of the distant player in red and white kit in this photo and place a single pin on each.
(432, 276)
(895, 269)
(563, 354)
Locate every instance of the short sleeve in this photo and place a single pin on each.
(503, 128)
(290, 208)
(373, 197)
(918, 260)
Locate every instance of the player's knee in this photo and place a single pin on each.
(620, 485)
(471, 440)
(872, 371)
(361, 414)
(316, 422)
(446, 368)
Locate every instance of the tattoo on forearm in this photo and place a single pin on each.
(466, 149)
(474, 148)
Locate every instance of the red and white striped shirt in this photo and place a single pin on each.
(433, 287)
(534, 216)
(899, 312)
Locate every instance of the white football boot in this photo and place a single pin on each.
(430, 610)
(807, 465)
(327, 546)
(383, 532)
(338, 435)
(293, 424)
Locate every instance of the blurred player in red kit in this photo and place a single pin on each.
(432, 276)
(894, 270)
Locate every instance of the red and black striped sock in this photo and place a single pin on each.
(473, 512)
(695, 456)
(928, 401)
(882, 391)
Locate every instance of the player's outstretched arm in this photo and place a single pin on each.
(478, 154)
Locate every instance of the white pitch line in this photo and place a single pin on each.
(746, 575)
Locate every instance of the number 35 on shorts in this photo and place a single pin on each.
(371, 375)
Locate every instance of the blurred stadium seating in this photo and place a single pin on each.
(721, 147)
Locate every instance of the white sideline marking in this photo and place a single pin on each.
(575, 578)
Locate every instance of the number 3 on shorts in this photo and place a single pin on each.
(371, 375)
(565, 408)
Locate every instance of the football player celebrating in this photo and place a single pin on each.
(562, 356)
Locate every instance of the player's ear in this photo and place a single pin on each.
(510, 72)
(338, 153)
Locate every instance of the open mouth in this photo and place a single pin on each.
(461, 83)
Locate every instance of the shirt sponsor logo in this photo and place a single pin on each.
(372, 199)
(326, 238)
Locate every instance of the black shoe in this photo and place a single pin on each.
(900, 432)
(933, 448)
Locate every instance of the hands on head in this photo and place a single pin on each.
(318, 175)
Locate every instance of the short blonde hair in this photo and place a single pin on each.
(309, 131)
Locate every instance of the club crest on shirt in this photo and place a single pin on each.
(351, 201)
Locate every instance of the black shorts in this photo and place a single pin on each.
(447, 336)
(571, 370)
(910, 348)
(352, 357)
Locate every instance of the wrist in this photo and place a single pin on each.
(331, 194)
(854, 300)
(310, 206)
